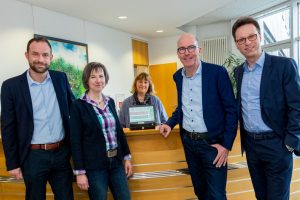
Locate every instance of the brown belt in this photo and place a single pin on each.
(50, 146)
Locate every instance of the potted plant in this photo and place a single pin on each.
(230, 63)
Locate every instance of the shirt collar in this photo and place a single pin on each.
(87, 99)
(198, 72)
(259, 63)
(32, 82)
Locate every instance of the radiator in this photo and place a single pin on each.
(214, 50)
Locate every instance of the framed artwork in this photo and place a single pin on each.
(69, 57)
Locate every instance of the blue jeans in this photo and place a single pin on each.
(113, 177)
(54, 166)
(270, 165)
(209, 182)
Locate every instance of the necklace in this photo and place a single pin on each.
(97, 100)
(100, 101)
(141, 98)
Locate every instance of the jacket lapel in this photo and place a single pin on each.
(264, 78)
(58, 92)
(179, 85)
(26, 93)
(92, 113)
(112, 109)
(240, 74)
(205, 83)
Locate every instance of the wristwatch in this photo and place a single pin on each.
(290, 149)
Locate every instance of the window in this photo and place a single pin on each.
(298, 5)
(275, 26)
(280, 52)
(280, 30)
(298, 50)
(298, 36)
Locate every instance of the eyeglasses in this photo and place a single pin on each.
(243, 40)
(190, 49)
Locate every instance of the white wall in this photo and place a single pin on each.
(16, 27)
(19, 21)
(216, 30)
(163, 50)
(114, 50)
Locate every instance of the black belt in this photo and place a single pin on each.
(197, 135)
(261, 135)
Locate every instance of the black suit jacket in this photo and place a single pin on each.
(279, 98)
(218, 102)
(87, 139)
(17, 116)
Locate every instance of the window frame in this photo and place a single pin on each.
(293, 43)
(296, 16)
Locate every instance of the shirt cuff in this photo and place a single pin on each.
(127, 157)
(289, 148)
(79, 172)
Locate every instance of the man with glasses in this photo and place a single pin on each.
(269, 112)
(207, 117)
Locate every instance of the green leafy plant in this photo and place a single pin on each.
(230, 63)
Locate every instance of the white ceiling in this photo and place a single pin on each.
(145, 17)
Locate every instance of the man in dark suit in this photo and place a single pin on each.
(269, 112)
(35, 125)
(207, 117)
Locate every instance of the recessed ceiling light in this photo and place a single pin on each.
(159, 31)
(122, 17)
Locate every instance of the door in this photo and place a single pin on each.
(162, 77)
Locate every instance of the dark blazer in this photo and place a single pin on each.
(17, 117)
(87, 139)
(219, 106)
(279, 98)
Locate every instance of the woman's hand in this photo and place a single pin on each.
(82, 182)
(128, 168)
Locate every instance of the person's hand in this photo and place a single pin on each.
(17, 173)
(165, 130)
(128, 168)
(222, 156)
(82, 182)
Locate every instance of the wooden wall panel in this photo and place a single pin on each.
(140, 52)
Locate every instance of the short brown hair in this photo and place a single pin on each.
(38, 39)
(89, 68)
(142, 76)
(243, 21)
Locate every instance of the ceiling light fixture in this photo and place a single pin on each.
(159, 31)
(122, 17)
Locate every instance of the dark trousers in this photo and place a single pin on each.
(48, 165)
(209, 182)
(270, 165)
(113, 177)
